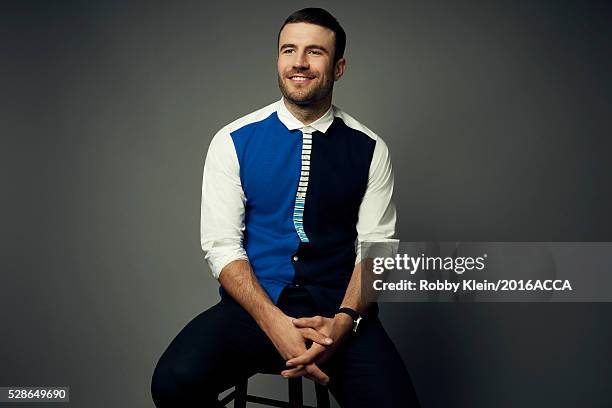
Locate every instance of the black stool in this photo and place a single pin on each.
(240, 396)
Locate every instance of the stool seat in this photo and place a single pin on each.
(240, 395)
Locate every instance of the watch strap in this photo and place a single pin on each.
(353, 314)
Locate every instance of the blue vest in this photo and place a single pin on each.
(307, 242)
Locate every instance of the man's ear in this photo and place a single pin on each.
(339, 68)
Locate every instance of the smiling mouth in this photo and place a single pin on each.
(299, 78)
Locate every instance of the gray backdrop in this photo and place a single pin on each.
(497, 114)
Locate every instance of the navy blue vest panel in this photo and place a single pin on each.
(339, 167)
(270, 159)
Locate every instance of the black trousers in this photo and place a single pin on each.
(223, 345)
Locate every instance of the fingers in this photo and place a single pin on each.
(297, 372)
(311, 371)
(316, 374)
(294, 372)
(314, 322)
(307, 357)
(316, 336)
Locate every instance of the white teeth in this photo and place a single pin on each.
(299, 78)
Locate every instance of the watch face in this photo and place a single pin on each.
(356, 324)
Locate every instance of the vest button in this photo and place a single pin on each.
(295, 258)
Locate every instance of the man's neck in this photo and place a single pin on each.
(308, 113)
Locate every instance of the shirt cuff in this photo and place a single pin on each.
(376, 248)
(217, 261)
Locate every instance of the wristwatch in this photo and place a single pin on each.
(354, 315)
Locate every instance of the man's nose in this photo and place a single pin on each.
(301, 61)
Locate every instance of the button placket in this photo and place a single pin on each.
(300, 197)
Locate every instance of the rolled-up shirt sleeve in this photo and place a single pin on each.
(377, 214)
(223, 204)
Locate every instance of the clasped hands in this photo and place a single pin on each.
(289, 336)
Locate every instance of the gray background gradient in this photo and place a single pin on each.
(497, 115)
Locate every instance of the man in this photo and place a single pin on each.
(287, 191)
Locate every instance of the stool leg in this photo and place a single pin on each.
(240, 394)
(295, 392)
(322, 396)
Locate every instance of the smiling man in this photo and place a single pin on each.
(288, 191)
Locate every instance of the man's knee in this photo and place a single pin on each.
(175, 382)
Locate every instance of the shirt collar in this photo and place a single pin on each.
(292, 123)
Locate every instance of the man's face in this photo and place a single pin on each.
(306, 70)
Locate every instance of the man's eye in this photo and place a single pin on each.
(287, 51)
(316, 52)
